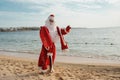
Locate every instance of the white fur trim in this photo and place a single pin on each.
(44, 71)
(41, 70)
(49, 54)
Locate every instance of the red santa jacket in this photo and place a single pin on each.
(46, 38)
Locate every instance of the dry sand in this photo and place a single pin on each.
(14, 68)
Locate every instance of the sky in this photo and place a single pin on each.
(76, 13)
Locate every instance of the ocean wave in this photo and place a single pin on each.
(90, 43)
(15, 51)
(90, 55)
(69, 53)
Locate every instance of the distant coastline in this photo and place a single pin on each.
(13, 29)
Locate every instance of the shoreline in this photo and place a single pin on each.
(19, 68)
(65, 59)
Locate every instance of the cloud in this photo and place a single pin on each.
(17, 19)
(73, 5)
(113, 1)
(85, 13)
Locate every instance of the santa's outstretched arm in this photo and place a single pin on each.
(66, 30)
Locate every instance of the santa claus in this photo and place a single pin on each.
(49, 34)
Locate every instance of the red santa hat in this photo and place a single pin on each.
(52, 15)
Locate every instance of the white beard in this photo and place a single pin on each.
(50, 26)
(53, 31)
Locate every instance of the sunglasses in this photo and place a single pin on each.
(51, 20)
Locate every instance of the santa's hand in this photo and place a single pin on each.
(47, 48)
(50, 50)
(68, 28)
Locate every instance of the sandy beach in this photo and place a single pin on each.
(16, 68)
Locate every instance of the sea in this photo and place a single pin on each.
(102, 43)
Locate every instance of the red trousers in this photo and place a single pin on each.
(44, 61)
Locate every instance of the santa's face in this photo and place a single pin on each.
(51, 20)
